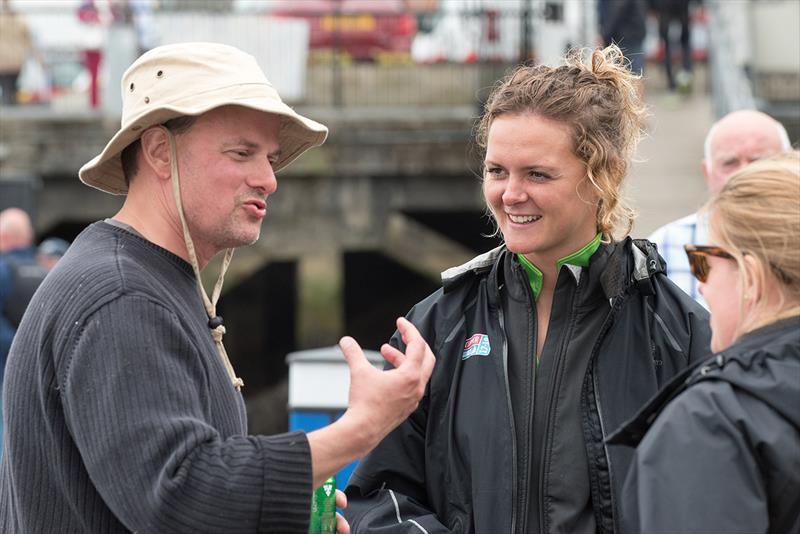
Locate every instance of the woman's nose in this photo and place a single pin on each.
(514, 192)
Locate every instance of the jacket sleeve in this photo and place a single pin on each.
(682, 321)
(136, 403)
(388, 492)
(695, 470)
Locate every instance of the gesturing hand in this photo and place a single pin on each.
(381, 400)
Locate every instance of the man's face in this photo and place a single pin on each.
(225, 166)
(734, 145)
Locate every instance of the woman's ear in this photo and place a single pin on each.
(156, 152)
(754, 279)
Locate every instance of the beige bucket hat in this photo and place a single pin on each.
(191, 79)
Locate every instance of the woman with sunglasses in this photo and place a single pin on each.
(723, 454)
(546, 343)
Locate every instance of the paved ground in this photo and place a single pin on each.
(666, 182)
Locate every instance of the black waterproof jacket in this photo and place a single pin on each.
(453, 465)
(724, 450)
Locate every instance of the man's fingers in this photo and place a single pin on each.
(352, 353)
(415, 344)
(392, 355)
(342, 526)
(341, 499)
(428, 363)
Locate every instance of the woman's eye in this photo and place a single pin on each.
(538, 176)
(494, 171)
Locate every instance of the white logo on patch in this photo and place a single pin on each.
(476, 344)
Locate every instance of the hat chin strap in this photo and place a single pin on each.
(214, 322)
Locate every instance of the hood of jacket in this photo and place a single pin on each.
(765, 363)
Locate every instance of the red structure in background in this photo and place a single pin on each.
(362, 29)
(92, 59)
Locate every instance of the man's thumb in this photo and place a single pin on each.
(352, 352)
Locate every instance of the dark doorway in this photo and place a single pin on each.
(259, 317)
(378, 290)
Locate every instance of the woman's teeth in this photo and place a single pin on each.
(521, 219)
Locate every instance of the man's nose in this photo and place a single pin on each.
(264, 179)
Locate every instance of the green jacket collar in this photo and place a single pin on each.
(578, 259)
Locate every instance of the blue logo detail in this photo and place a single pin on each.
(477, 344)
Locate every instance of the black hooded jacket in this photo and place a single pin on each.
(486, 452)
(723, 451)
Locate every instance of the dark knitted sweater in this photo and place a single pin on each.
(120, 415)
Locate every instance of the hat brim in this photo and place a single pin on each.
(297, 134)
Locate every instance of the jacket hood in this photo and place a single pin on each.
(766, 364)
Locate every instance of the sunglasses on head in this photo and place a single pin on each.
(698, 259)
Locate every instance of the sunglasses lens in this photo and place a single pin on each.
(699, 265)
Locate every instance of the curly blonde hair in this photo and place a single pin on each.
(598, 98)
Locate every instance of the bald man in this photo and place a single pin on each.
(16, 230)
(737, 139)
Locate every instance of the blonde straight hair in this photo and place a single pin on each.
(757, 213)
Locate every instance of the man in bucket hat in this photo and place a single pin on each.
(123, 410)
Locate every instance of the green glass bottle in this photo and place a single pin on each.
(323, 509)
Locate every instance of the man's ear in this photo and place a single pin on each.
(704, 163)
(156, 152)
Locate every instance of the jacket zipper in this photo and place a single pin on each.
(551, 396)
(607, 323)
(514, 488)
(524, 494)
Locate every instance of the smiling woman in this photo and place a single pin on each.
(558, 365)
(536, 188)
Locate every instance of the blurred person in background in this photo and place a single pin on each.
(737, 139)
(20, 275)
(124, 411)
(721, 445)
(50, 251)
(668, 12)
(623, 22)
(546, 342)
(15, 47)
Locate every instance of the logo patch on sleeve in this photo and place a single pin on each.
(476, 344)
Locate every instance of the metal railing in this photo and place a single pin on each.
(729, 37)
(450, 59)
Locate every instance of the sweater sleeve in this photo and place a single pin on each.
(136, 399)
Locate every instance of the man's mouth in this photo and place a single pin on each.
(260, 204)
(257, 207)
